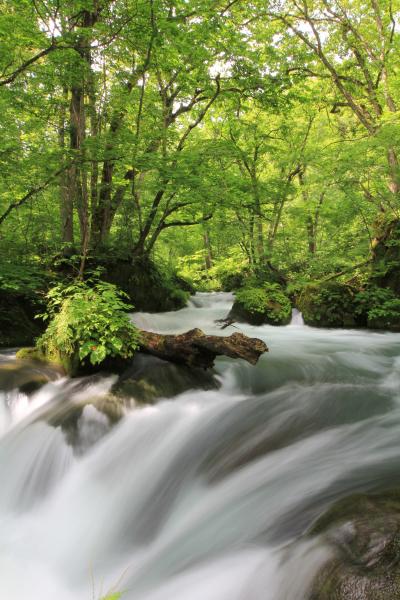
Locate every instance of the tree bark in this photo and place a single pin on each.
(196, 349)
(208, 259)
(66, 200)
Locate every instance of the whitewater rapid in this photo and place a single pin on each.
(208, 495)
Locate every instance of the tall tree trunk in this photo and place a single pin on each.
(94, 132)
(251, 238)
(66, 199)
(83, 83)
(207, 249)
(77, 178)
(108, 202)
(258, 217)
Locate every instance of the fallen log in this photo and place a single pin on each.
(196, 349)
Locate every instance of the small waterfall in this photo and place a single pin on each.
(297, 318)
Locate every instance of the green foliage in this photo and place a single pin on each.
(284, 169)
(233, 280)
(253, 300)
(380, 308)
(266, 304)
(22, 279)
(227, 273)
(385, 316)
(87, 321)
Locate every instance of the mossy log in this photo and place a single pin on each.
(196, 349)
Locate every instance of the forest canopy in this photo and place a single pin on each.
(208, 136)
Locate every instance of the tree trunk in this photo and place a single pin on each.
(196, 349)
(258, 217)
(207, 249)
(66, 200)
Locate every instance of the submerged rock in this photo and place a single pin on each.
(150, 378)
(364, 531)
(147, 380)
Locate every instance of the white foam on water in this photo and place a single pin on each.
(206, 495)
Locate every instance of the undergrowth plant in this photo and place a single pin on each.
(87, 321)
(267, 299)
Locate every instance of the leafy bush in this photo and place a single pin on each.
(21, 279)
(380, 308)
(252, 299)
(87, 321)
(266, 304)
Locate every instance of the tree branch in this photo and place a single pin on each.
(11, 78)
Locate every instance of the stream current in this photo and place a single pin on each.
(208, 495)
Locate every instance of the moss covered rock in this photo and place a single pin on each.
(31, 353)
(364, 531)
(329, 304)
(260, 305)
(148, 287)
(232, 281)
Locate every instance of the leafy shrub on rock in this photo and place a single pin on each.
(87, 322)
(259, 305)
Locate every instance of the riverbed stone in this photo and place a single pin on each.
(364, 531)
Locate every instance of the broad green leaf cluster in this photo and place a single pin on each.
(87, 321)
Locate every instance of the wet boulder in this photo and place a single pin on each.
(364, 531)
(261, 305)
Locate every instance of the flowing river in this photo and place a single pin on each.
(207, 495)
